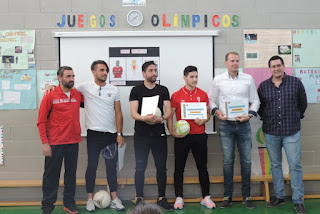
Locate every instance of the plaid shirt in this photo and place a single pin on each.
(282, 108)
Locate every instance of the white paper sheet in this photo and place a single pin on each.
(121, 152)
(26, 87)
(5, 85)
(11, 97)
(149, 105)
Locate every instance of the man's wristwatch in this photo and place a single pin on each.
(162, 122)
(119, 134)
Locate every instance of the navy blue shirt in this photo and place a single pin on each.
(282, 108)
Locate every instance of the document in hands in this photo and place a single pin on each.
(149, 105)
(236, 108)
(191, 111)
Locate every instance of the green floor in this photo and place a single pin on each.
(312, 205)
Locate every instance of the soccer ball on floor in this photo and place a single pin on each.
(182, 127)
(102, 199)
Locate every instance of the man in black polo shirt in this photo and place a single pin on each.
(150, 137)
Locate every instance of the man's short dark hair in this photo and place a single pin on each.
(146, 65)
(62, 69)
(189, 69)
(97, 62)
(276, 57)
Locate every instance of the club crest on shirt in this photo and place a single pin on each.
(109, 94)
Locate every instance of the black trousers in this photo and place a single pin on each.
(158, 147)
(198, 145)
(51, 176)
(96, 142)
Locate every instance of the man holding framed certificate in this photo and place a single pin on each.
(234, 100)
(191, 103)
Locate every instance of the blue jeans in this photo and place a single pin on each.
(292, 147)
(240, 133)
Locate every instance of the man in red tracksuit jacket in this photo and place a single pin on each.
(60, 133)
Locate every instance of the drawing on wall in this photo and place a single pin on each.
(1, 145)
(250, 38)
(126, 64)
(18, 89)
(310, 78)
(17, 49)
(44, 78)
(269, 43)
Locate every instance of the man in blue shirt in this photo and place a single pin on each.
(283, 103)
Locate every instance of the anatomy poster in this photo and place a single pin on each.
(260, 45)
(126, 64)
(44, 78)
(17, 49)
(18, 89)
(310, 78)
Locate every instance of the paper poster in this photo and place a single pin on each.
(126, 64)
(17, 49)
(1, 145)
(235, 108)
(134, 3)
(261, 45)
(261, 164)
(192, 111)
(45, 77)
(261, 74)
(18, 89)
(306, 48)
(310, 78)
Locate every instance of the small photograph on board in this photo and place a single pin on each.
(118, 68)
(284, 49)
(18, 49)
(30, 59)
(296, 45)
(7, 59)
(252, 56)
(297, 58)
(30, 51)
(31, 65)
(250, 38)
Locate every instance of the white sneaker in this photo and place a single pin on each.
(90, 205)
(179, 203)
(117, 204)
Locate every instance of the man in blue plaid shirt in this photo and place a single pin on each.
(283, 103)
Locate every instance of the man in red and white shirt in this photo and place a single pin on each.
(196, 140)
(60, 134)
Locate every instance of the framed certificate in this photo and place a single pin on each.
(191, 111)
(236, 108)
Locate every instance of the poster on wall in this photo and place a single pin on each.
(44, 78)
(260, 45)
(310, 78)
(126, 64)
(134, 3)
(1, 145)
(306, 48)
(18, 89)
(17, 49)
(261, 74)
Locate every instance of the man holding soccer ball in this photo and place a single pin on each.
(195, 140)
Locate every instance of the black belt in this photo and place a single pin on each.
(98, 132)
(233, 121)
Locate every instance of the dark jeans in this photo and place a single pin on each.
(198, 145)
(240, 133)
(158, 146)
(51, 175)
(96, 142)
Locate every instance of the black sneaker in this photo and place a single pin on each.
(138, 201)
(248, 202)
(46, 211)
(300, 209)
(227, 201)
(164, 204)
(275, 202)
(72, 209)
